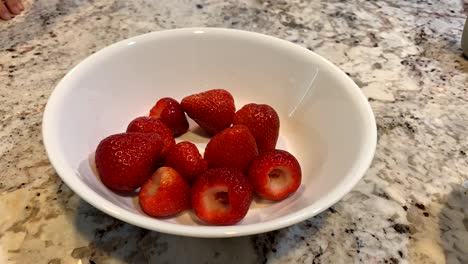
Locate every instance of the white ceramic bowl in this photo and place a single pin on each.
(326, 121)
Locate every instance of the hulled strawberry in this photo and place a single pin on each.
(275, 174)
(212, 110)
(172, 114)
(146, 124)
(187, 160)
(125, 161)
(233, 147)
(262, 121)
(165, 193)
(221, 196)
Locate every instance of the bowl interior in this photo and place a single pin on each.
(325, 121)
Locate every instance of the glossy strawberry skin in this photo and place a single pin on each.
(221, 196)
(262, 121)
(233, 147)
(212, 110)
(275, 174)
(187, 160)
(171, 113)
(165, 193)
(146, 124)
(125, 161)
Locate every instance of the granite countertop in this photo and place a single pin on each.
(411, 206)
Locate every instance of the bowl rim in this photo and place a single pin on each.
(68, 174)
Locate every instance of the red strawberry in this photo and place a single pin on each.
(233, 147)
(262, 121)
(275, 174)
(213, 110)
(165, 193)
(125, 161)
(185, 158)
(146, 124)
(221, 196)
(172, 114)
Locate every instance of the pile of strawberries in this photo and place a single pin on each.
(239, 159)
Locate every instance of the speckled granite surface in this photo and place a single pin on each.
(411, 207)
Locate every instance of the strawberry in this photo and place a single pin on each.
(275, 174)
(262, 121)
(146, 124)
(172, 114)
(125, 161)
(221, 196)
(165, 193)
(185, 158)
(212, 110)
(233, 147)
